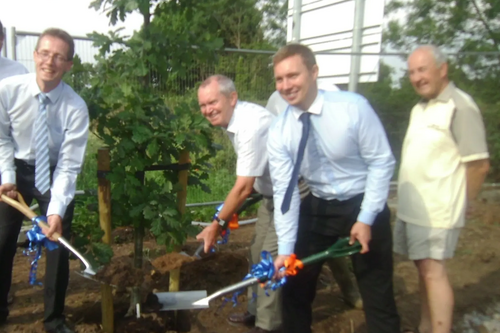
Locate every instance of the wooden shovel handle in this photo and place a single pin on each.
(21, 206)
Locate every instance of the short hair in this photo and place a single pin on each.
(61, 34)
(226, 85)
(438, 55)
(1, 29)
(289, 50)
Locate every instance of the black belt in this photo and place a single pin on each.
(23, 164)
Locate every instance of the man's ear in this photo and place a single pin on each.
(443, 71)
(233, 98)
(315, 71)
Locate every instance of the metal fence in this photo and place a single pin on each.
(252, 73)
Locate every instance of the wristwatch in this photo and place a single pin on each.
(221, 222)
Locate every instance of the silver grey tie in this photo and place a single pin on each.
(42, 163)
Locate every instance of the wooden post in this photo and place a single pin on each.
(104, 195)
(182, 321)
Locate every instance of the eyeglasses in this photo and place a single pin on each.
(46, 56)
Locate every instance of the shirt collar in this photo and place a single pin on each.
(315, 108)
(444, 96)
(53, 95)
(232, 127)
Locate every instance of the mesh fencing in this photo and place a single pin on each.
(388, 90)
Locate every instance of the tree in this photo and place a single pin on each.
(457, 26)
(274, 21)
(140, 126)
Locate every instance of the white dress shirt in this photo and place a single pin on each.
(10, 68)
(68, 132)
(247, 131)
(347, 153)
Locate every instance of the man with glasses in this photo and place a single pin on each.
(43, 136)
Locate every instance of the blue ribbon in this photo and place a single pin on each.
(37, 241)
(264, 270)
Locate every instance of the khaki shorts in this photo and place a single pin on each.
(418, 242)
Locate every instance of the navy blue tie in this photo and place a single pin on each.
(285, 206)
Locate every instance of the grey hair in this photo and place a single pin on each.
(226, 85)
(439, 57)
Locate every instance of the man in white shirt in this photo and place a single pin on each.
(336, 142)
(443, 165)
(43, 135)
(8, 67)
(338, 266)
(246, 125)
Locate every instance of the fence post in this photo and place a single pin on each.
(182, 321)
(13, 43)
(104, 195)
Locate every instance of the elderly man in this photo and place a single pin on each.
(246, 125)
(335, 141)
(43, 135)
(444, 163)
(9, 67)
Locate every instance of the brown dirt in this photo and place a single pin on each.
(121, 272)
(170, 261)
(474, 274)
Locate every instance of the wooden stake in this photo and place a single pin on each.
(104, 195)
(182, 320)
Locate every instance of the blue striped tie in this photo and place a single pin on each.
(285, 205)
(42, 163)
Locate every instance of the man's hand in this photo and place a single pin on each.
(9, 190)
(278, 263)
(363, 233)
(209, 235)
(55, 225)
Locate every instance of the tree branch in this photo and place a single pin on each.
(485, 24)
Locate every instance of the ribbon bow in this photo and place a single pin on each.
(37, 241)
(264, 270)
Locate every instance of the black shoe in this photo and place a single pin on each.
(3, 321)
(62, 328)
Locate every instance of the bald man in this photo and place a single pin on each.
(444, 163)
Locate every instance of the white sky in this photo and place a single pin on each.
(74, 16)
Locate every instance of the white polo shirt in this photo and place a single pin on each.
(444, 133)
(247, 131)
(10, 68)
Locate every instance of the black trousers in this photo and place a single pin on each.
(57, 264)
(321, 223)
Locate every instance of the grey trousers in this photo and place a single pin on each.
(267, 309)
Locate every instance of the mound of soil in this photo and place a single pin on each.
(121, 273)
(170, 261)
(218, 270)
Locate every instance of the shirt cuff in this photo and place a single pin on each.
(56, 208)
(366, 217)
(285, 249)
(9, 177)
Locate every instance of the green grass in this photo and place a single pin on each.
(221, 178)
(87, 180)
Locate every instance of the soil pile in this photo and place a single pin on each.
(216, 271)
(120, 272)
(170, 261)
